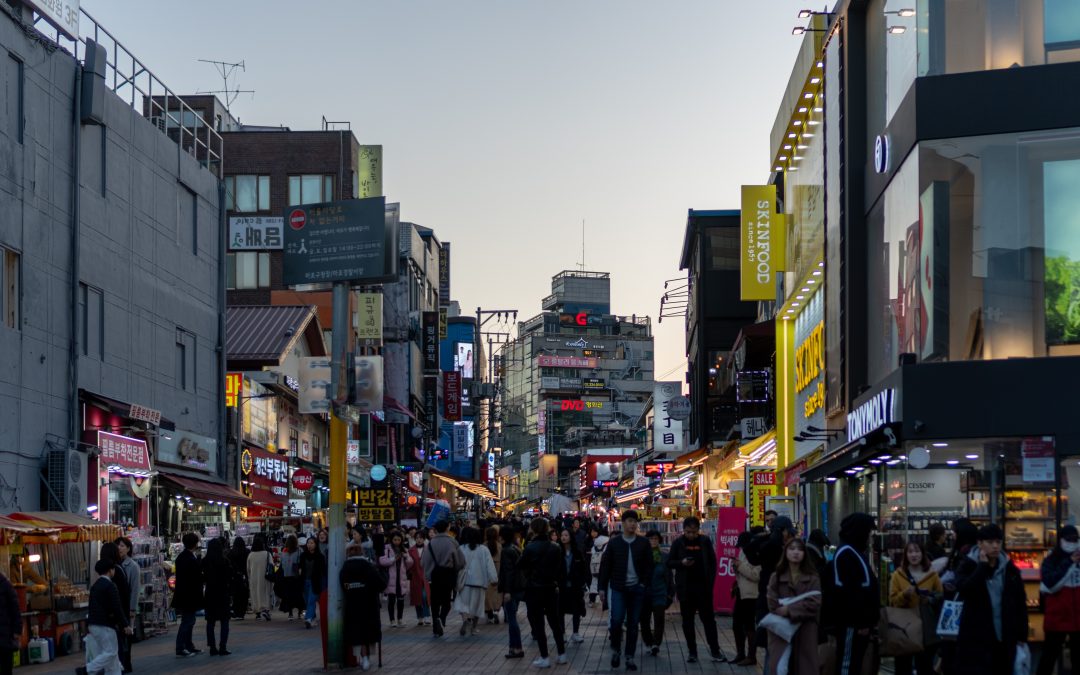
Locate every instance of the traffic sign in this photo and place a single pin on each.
(297, 219)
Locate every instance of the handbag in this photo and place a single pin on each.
(269, 574)
(901, 631)
(948, 624)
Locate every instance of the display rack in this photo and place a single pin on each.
(148, 552)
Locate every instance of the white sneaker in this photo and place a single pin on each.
(427, 621)
(365, 664)
(540, 662)
(576, 637)
(562, 660)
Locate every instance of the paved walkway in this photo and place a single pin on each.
(281, 646)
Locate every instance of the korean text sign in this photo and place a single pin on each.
(731, 520)
(267, 475)
(375, 505)
(347, 240)
(123, 452)
(761, 248)
(760, 483)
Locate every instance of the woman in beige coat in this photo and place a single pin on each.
(258, 586)
(795, 576)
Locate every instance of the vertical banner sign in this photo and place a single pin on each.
(431, 401)
(314, 385)
(762, 245)
(234, 389)
(452, 396)
(444, 322)
(932, 316)
(444, 274)
(369, 319)
(460, 447)
(730, 521)
(760, 483)
(369, 172)
(667, 432)
(430, 341)
(368, 395)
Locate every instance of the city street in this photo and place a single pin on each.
(282, 646)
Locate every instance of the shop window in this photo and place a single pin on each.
(247, 193)
(9, 288)
(1070, 491)
(310, 189)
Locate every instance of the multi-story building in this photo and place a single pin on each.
(575, 378)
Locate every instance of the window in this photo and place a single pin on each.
(316, 449)
(92, 321)
(310, 189)
(9, 288)
(185, 360)
(294, 442)
(247, 193)
(247, 270)
(14, 93)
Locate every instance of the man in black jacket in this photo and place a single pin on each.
(625, 569)
(851, 596)
(187, 594)
(10, 624)
(545, 572)
(104, 617)
(694, 560)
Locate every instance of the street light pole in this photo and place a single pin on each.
(482, 317)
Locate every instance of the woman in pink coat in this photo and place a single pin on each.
(399, 564)
(418, 585)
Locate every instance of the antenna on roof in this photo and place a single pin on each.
(226, 70)
(582, 265)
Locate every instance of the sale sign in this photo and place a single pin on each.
(730, 521)
(760, 483)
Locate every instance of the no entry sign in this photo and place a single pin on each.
(297, 219)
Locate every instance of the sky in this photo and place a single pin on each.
(506, 123)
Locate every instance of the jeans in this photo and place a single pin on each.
(1051, 651)
(101, 645)
(312, 599)
(224, 632)
(626, 607)
(699, 604)
(395, 602)
(652, 625)
(744, 627)
(510, 610)
(543, 604)
(423, 610)
(183, 633)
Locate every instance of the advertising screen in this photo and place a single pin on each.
(463, 361)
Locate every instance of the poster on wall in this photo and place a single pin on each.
(760, 483)
(1061, 276)
(730, 521)
(1038, 459)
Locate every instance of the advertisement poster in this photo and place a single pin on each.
(1061, 280)
(762, 248)
(464, 360)
(760, 483)
(730, 521)
(1038, 459)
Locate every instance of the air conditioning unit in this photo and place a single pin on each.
(66, 476)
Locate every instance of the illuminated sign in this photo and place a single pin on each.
(123, 453)
(570, 405)
(581, 319)
(593, 383)
(605, 483)
(566, 362)
(234, 385)
(809, 366)
(658, 468)
(761, 248)
(267, 475)
(872, 415)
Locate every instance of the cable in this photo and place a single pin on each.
(672, 370)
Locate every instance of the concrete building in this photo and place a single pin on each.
(111, 344)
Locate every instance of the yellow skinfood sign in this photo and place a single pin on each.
(809, 365)
(762, 243)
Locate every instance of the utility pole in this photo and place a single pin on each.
(338, 442)
(482, 317)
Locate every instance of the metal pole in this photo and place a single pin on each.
(335, 656)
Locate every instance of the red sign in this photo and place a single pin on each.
(658, 468)
(266, 476)
(123, 453)
(303, 480)
(452, 396)
(297, 219)
(730, 522)
(571, 405)
(566, 362)
(794, 472)
(765, 478)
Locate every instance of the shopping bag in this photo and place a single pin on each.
(901, 631)
(948, 625)
(779, 626)
(1022, 662)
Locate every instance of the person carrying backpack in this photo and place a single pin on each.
(442, 560)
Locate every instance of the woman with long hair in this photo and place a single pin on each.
(238, 556)
(218, 575)
(398, 564)
(794, 593)
(311, 567)
(493, 599)
(290, 593)
(419, 590)
(914, 585)
(260, 566)
(572, 590)
(479, 573)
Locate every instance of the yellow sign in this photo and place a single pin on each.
(761, 483)
(234, 389)
(444, 322)
(762, 243)
(369, 172)
(369, 317)
(809, 366)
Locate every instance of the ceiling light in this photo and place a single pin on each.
(815, 80)
(817, 273)
(787, 147)
(893, 462)
(821, 264)
(941, 445)
(794, 304)
(808, 135)
(820, 64)
(808, 95)
(791, 135)
(803, 147)
(875, 461)
(798, 123)
(812, 122)
(805, 13)
(897, 30)
(952, 462)
(905, 12)
(859, 468)
(799, 297)
(806, 290)
(972, 456)
(811, 281)
(798, 30)
(778, 168)
(884, 456)
(819, 109)
(802, 110)
(830, 479)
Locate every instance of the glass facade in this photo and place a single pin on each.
(804, 195)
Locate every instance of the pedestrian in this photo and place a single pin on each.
(238, 557)
(360, 535)
(553, 535)
(398, 565)
(442, 560)
(324, 542)
(817, 549)
(260, 573)
(658, 597)
(10, 624)
(966, 537)
(851, 594)
(994, 621)
(511, 586)
(624, 570)
(572, 590)
(693, 558)
(419, 592)
(1061, 592)
(596, 554)
(105, 617)
(312, 569)
(472, 588)
(767, 552)
(770, 518)
(362, 585)
(493, 599)
(542, 564)
(218, 576)
(795, 594)
(187, 594)
(580, 535)
(129, 570)
(743, 624)
(915, 585)
(935, 545)
(292, 589)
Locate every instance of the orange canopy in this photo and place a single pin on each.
(70, 526)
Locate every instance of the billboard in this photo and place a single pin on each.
(368, 320)
(566, 361)
(368, 396)
(452, 396)
(314, 384)
(347, 241)
(369, 171)
(444, 274)
(463, 361)
(667, 432)
(255, 233)
(761, 243)
(429, 340)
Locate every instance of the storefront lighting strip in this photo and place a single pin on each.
(791, 308)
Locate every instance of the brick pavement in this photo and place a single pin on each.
(282, 646)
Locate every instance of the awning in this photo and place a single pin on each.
(11, 529)
(211, 492)
(71, 527)
(120, 408)
(691, 459)
(473, 487)
(759, 447)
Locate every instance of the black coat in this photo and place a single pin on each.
(542, 564)
(701, 549)
(765, 551)
(10, 618)
(188, 590)
(850, 592)
(318, 574)
(614, 563)
(218, 576)
(572, 591)
(973, 653)
(105, 608)
(511, 578)
(362, 584)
